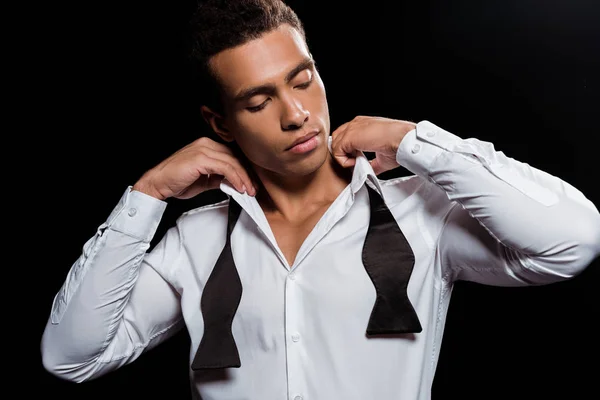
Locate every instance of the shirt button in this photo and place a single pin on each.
(298, 398)
(295, 337)
(416, 148)
(132, 212)
(292, 276)
(431, 133)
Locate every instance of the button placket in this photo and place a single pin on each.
(293, 311)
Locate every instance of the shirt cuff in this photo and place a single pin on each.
(429, 151)
(137, 214)
(422, 145)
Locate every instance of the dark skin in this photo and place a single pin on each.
(266, 124)
(272, 96)
(296, 189)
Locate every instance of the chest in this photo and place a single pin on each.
(291, 235)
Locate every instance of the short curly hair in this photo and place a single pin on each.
(219, 25)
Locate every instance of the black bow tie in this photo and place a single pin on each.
(388, 260)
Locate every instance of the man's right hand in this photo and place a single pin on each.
(196, 168)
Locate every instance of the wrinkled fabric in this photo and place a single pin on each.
(468, 212)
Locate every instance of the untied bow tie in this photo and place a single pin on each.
(387, 258)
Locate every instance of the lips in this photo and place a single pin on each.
(303, 139)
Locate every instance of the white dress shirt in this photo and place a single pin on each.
(469, 212)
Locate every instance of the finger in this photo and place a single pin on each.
(214, 181)
(335, 139)
(211, 181)
(376, 165)
(342, 149)
(344, 160)
(340, 129)
(237, 165)
(220, 167)
(218, 147)
(342, 138)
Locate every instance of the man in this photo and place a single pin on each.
(314, 279)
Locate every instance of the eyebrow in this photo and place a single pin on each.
(269, 89)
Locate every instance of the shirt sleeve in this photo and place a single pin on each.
(113, 304)
(511, 224)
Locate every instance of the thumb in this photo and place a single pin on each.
(344, 160)
(376, 165)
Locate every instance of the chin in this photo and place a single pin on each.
(309, 164)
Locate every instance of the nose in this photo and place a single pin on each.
(294, 115)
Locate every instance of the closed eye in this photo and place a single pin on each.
(305, 84)
(258, 107)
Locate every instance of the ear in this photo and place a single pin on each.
(217, 123)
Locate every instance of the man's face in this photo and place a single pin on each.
(273, 96)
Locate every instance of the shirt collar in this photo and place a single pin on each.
(361, 174)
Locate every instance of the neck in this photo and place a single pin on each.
(294, 198)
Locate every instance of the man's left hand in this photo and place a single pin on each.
(374, 134)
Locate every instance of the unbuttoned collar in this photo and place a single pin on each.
(361, 173)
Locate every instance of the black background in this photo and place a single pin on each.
(112, 85)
